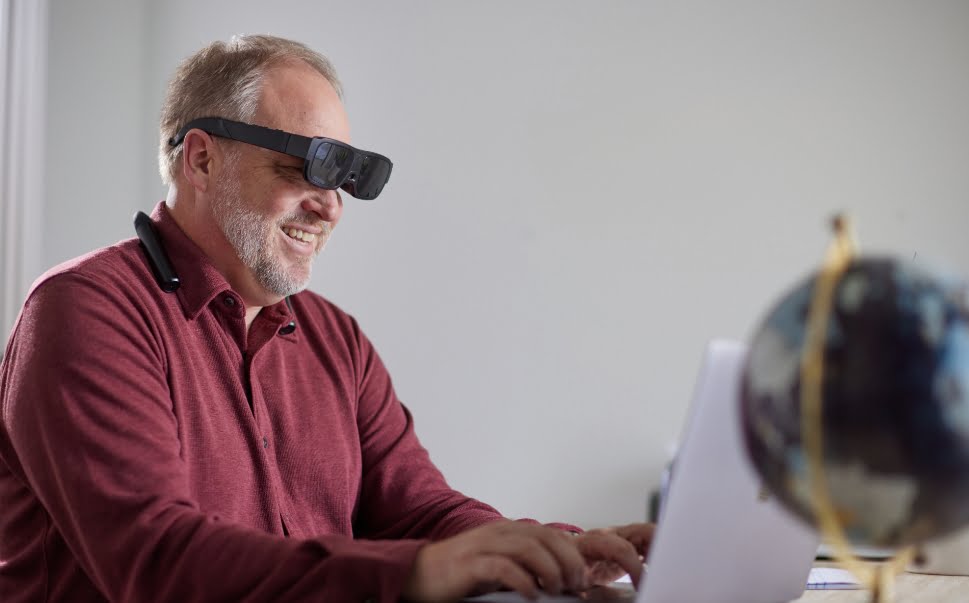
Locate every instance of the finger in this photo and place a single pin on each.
(570, 560)
(604, 572)
(495, 569)
(547, 552)
(529, 551)
(610, 547)
(640, 535)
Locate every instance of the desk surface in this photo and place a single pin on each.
(909, 588)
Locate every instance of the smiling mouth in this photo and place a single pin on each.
(300, 235)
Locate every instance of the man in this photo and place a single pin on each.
(238, 437)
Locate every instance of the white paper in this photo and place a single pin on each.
(831, 578)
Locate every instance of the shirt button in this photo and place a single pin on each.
(229, 300)
(265, 442)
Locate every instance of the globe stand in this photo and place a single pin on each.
(879, 579)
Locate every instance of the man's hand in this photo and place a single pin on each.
(525, 557)
(612, 552)
(515, 555)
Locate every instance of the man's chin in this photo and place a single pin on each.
(278, 286)
(292, 289)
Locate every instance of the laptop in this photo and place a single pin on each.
(720, 538)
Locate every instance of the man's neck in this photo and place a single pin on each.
(211, 241)
(251, 313)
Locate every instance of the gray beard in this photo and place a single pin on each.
(251, 237)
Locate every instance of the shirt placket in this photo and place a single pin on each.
(251, 342)
(262, 335)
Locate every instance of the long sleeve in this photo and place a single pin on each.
(404, 495)
(89, 430)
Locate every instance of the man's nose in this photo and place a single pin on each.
(328, 204)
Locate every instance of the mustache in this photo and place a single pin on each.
(307, 218)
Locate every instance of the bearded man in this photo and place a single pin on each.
(182, 421)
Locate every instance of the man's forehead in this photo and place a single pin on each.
(297, 98)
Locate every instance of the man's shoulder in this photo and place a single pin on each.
(312, 299)
(325, 316)
(98, 294)
(118, 266)
(320, 307)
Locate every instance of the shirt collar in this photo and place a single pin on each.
(200, 280)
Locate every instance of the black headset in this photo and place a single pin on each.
(161, 267)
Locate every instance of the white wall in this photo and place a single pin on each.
(543, 307)
(97, 124)
(23, 119)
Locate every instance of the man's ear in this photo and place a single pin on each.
(200, 154)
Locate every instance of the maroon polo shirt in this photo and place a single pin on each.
(151, 449)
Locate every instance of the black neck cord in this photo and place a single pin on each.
(161, 267)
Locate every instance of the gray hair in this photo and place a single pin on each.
(224, 79)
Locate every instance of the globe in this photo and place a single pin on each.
(894, 403)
